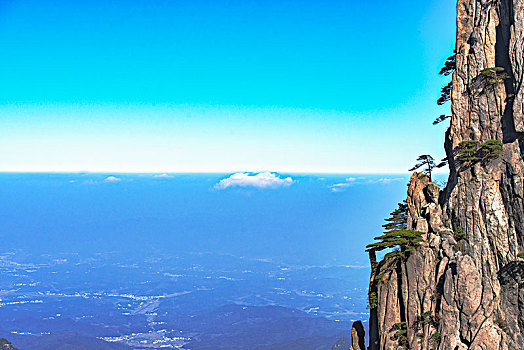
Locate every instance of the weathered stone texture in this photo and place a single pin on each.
(357, 336)
(473, 288)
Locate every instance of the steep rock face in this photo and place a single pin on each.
(463, 288)
(357, 336)
(406, 286)
(485, 198)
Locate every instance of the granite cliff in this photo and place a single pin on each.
(462, 287)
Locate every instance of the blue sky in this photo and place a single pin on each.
(221, 86)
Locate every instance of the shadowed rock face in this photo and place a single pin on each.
(466, 293)
(357, 336)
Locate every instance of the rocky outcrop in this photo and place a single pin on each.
(406, 310)
(463, 287)
(357, 336)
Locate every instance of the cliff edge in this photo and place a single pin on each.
(462, 285)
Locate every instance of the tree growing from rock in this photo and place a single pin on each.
(441, 118)
(398, 218)
(467, 151)
(427, 162)
(396, 235)
(450, 65)
(495, 75)
(472, 151)
(445, 93)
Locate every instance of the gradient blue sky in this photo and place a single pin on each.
(221, 86)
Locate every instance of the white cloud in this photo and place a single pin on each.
(341, 187)
(260, 180)
(112, 179)
(163, 176)
(386, 180)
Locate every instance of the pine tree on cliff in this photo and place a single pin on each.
(441, 118)
(398, 218)
(445, 94)
(450, 65)
(428, 162)
(396, 234)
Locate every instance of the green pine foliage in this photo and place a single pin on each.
(494, 75)
(394, 254)
(401, 334)
(491, 148)
(459, 234)
(373, 300)
(398, 218)
(473, 151)
(440, 119)
(450, 65)
(424, 319)
(404, 239)
(445, 94)
(427, 163)
(396, 235)
(436, 337)
(467, 150)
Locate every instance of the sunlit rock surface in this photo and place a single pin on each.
(453, 292)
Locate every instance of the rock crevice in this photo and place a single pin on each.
(463, 287)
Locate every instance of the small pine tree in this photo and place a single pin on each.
(450, 65)
(495, 75)
(398, 218)
(445, 94)
(373, 300)
(441, 119)
(401, 334)
(467, 151)
(396, 234)
(472, 151)
(428, 162)
(459, 234)
(405, 240)
(491, 148)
